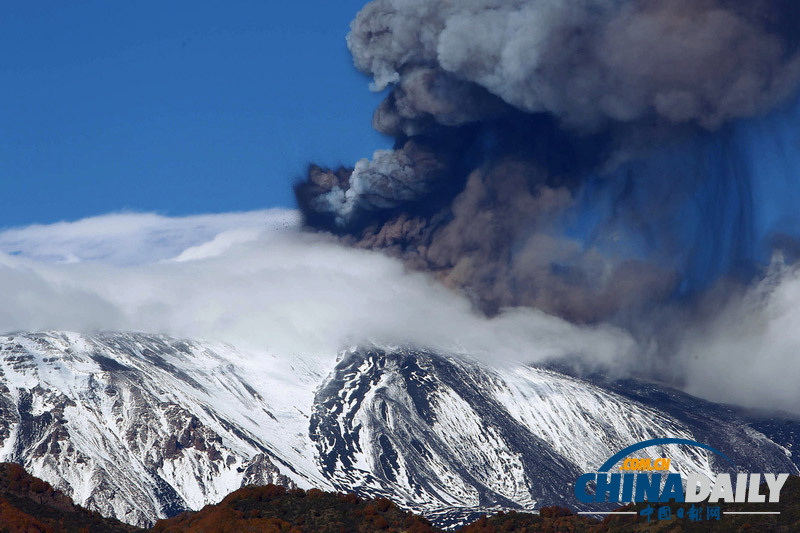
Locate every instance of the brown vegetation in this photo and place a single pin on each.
(28, 504)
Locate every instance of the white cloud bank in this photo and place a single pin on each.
(255, 280)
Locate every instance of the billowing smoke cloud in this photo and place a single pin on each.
(585, 62)
(569, 155)
(390, 178)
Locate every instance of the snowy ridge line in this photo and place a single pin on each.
(141, 426)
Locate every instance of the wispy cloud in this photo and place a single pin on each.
(132, 238)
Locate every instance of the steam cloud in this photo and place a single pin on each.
(739, 355)
(526, 133)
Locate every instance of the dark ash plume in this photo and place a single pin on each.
(587, 62)
(518, 127)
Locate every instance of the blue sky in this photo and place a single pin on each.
(174, 107)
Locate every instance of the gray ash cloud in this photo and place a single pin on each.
(504, 110)
(587, 62)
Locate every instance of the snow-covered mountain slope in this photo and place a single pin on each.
(452, 439)
(142, 426)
